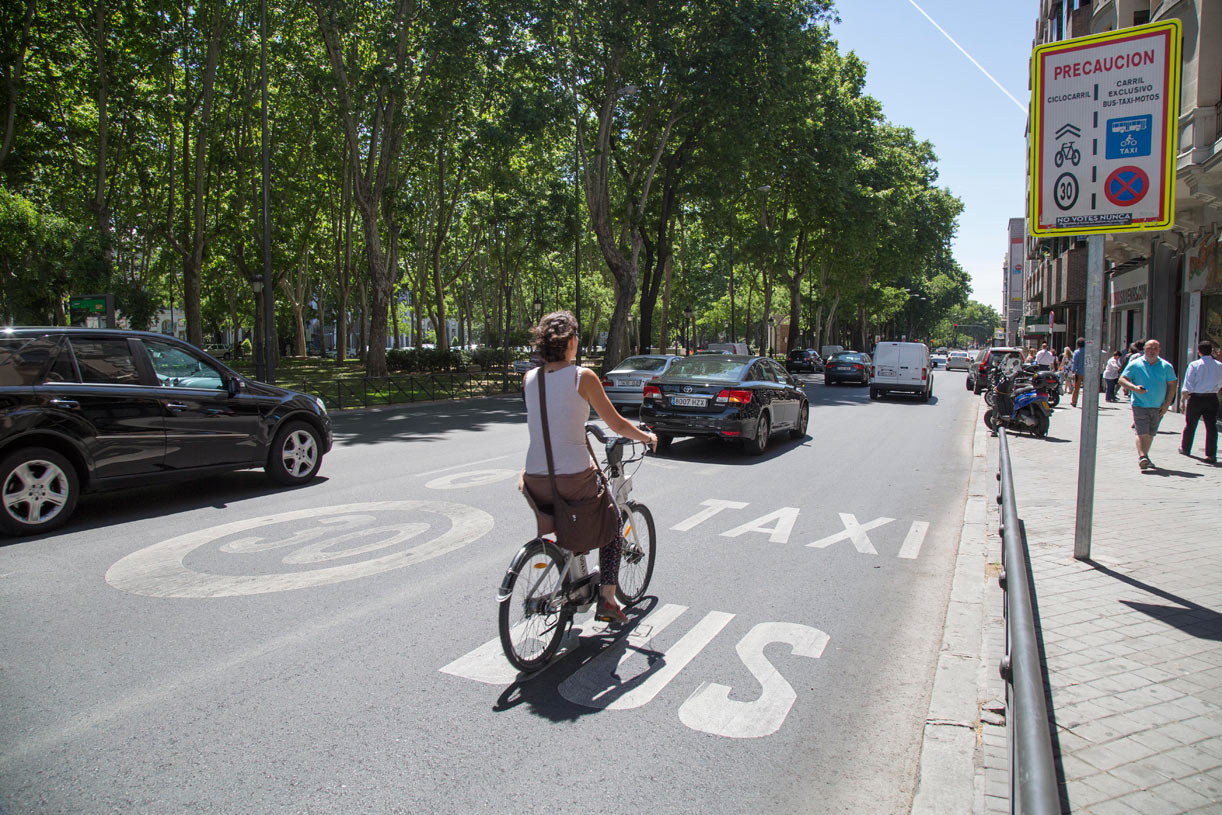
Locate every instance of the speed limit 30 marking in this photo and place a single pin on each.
(337, 533)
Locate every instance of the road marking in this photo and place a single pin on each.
(471, 478)
(487, 663)
(626, 676)
(160, 571)
(777, 533)
(912, 543)
(712, 507)
(855, 532)
(460, 466)
(711, 710)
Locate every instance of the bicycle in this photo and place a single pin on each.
(546, 585)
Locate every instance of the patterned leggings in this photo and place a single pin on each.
(608, 562)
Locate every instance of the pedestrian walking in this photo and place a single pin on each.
(1111, 376)
(1202, 387)
(1066, 370)
(1149, 378)
(1044, 359)
(1078, 366)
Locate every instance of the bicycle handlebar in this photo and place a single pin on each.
(597, 432)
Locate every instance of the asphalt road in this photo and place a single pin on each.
(225, 646)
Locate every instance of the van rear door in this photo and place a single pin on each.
(887, 362)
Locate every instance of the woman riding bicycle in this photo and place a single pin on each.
(571, 392)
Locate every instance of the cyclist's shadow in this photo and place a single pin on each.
(599, 683)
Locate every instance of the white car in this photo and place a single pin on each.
(958, 360)
(625, 383)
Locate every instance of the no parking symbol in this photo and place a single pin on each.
(1126, 186)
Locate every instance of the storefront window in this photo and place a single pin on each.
(1211, 318)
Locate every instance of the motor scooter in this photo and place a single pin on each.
(1018, 407)
(1046, 382)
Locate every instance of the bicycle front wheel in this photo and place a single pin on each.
(533, 613)
(637, 559)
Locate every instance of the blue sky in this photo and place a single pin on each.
(927, 84)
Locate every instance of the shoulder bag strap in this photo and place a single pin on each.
(541, 376)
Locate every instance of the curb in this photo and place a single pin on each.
(947, 775)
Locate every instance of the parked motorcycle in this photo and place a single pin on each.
(1017, 405)
(1047, 382)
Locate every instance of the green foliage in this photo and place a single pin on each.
(739, 143)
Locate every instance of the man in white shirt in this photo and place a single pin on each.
(1045, 359)
(1202, 387)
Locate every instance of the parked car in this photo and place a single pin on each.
(735, 397)
(958, 361)
(803, 360)
(901, 367)
(847, 366)
(90, 409)
(729, 347)
(218, 350)
(625, 383)
(986, 360)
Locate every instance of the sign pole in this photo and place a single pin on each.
(1090, 395)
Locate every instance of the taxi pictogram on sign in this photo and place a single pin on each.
(1126, 185)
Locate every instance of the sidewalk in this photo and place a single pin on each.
(1132, 639)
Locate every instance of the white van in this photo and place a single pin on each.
(901, 366)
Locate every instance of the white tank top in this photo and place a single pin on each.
(567, 414)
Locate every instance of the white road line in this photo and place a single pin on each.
(912, 543)
(855, 532)
(608, 683)
(460, 466)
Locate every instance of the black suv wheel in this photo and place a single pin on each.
(39, 491)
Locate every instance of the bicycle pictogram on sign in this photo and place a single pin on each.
(1126, 186)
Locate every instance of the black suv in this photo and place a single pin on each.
(986, 360)
(88, 409)
(803, 360)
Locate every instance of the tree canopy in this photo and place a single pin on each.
(452, 163)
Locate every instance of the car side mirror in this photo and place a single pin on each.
(233, 386)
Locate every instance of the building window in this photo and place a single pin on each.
(1141, 17)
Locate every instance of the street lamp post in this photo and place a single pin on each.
(538, 309)
(259, 348)
(771, 334)
(691, 334)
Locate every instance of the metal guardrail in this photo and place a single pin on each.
(369, 391)
(1033, 781)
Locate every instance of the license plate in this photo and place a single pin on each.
(688, 401)
(630, 383)
(886, 372)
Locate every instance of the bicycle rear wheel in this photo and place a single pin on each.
(533, 614)
(636, 562)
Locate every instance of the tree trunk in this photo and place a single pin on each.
(194, 258)
(13, 80)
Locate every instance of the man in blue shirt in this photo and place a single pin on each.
(1078, 365)
(1149, 379)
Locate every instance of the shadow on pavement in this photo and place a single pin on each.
(1189, 617)
(1165, 473)
(425, 422)
(541, 691)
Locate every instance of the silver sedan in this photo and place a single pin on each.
(625, 383)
